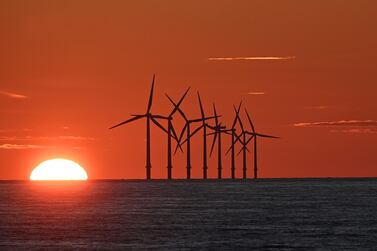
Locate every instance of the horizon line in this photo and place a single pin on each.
(193, 179)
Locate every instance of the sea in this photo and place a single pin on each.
(267, 214)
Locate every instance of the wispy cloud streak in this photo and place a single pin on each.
(22, 147)
(345, 126)
(342, 123)
(318, 107)
(256, 93)
(12, 95)
(15, 130)
(360, 130)
(250, 58)
(17, 138)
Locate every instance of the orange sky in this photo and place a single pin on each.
(71, 69)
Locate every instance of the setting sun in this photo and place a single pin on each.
(58, 169)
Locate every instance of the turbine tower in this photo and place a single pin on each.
(149, 117)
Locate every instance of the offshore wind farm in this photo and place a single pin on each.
(188, 125)
(216, 129)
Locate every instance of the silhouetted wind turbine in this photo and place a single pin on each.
(243, 141)
(170, 131)
(244, 145)
(255, 136)
(187, 129)
(218, 130)
(234, 136)
(204, 126)
(149, 117)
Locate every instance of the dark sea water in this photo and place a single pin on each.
(274, 214)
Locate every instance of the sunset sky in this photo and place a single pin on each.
(306, 71)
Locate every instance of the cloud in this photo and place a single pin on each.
(22, 147)
(256, 93)
(360, 130)
(345, 126)
(15, 130)
(250, 58)
(13, 95)
(73, 138)
(318, 107)
(340, 123)
(17, 138)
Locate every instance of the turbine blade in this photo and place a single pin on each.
(151, 96)
(176, 137)
(207, 118)
(171, 100)
(266, 136)
(159, 125)
(230, 148)
(201, 106)
(192, 134)
(197, 120)
(248, 141)
(238, 138)
(159, 117)
(213, 144)
(250, 122)
(196, 130)
(237, 114)
(180, 138)
(179, 102)
(240, 121)
(176, 106)
(215, 113)
(128, 121)
(235, 117)
(182, 132)
(242, 150)
(183, 142)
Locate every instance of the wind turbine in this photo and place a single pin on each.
(204, 126)
(218, 130)
(234, 136)
(149, 117)
(255, 135)
(187, 129)
(242, 138)
(244, 145)
(170, 131)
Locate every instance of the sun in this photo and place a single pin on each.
(58, 169)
